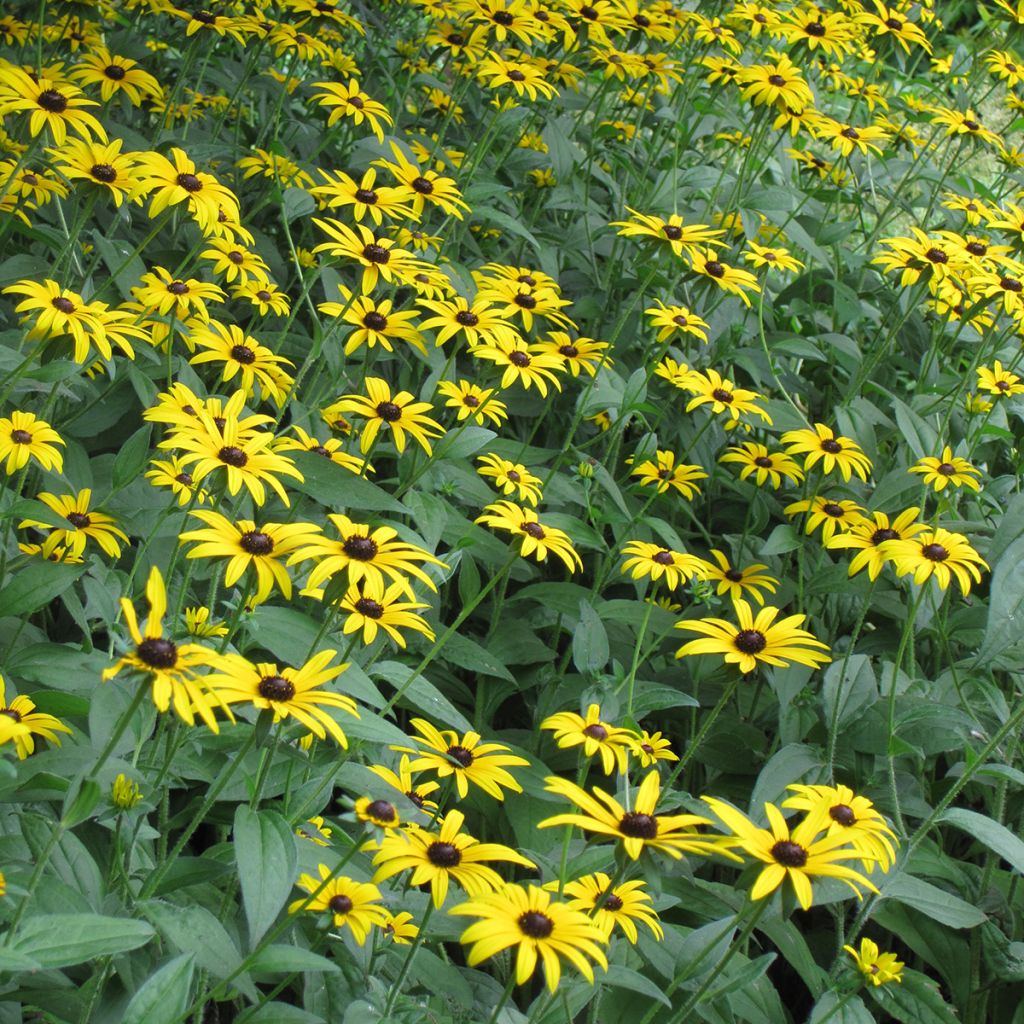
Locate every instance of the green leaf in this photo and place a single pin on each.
(787, 765)
(933, 902)
(124, 264)
(744, 976)
(421, 694)
(468, 654)
(36, 585)
(618, 976)
(782, 539)
(132, 457)
(282, 959)
(63, 940)
(851, 1012)
(164, 996)
(915, 1000)
(338, 488)
(1006, 602)
(266, 857)
(23, 267)
(998, 838)
(589, 641)
(858, 691)
(657, 696)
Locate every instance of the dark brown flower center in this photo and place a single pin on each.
(104, 173)
(255, 542)
(375, 321)
(894, 23)
(389, 412)
(611, 902)
(830, 446)
(569, 351)
(843, 815)
(763, 461)
(733, 575)
(815, 28)
(157, 653)
(514, 476)
(376, 253)
(63, 305)
(673, 231)
(884, 534)
(11, 713)
(444, 855)
(639, 826)
(789, 854)
(535, 530)
(52, 101)
(515, 75)
(356, 101)
(236, 257)
(662, 557)
(79, 520)
(714, 268)
(114, 72)
(359, 548)
(1010, 284)
(721, 395)
(976, 248)
(189, 182)
(21, 437)
(276, 688)
(366, 195)
(937, 256)
(230, 455)
(422, 185)
(519, 358)
(971, 126)
(535, 925)
(381, 810)
(466, 318)
(178, 288)
(750, 641)
(339, 904)
(849, 132)
(596, 731)
(264, 296)
(461, 754)
(370, 608)
(525, 301)
(946, 468)
(934, 552)
(185, 478)
(830, 508)
(502, 18)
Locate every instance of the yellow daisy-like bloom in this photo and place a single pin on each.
(939, 553)
(125, 792)
(736, 582)
(245, 544)
(57, 106)
(877, 967)
(769, 84)
(664, 473)
(102, 164)
(610, 907)
(842, 812)
(23, 436)
(288, 692)
(163, 293)
(372, 607)
(639, 828)
(528, 365)
(374, 811)
(730, 279)
(796, 855)
(400, 929)
(349, 100)
(264, 296)
(511, 478)
(870, 536)
(946, 470)
(242, 355)
(653, 561)
(997, 381)
(379, 256)
(199, 623)
(449, 855)
(20, 723)
(473, 401)
(651, 747)
(577, 354)
(234, 262)
(766, 256)
(365, 553)
(376, 322)
(845, 138)
(353, 905)
(115, 74)
(479, 321)
(723, 396)
(83, 523)
(525, 77)
(315, 831)
(965, 123)
(465, 759)
(676, 320)
(821, 444)
(59, 312)
(538, 926)
(170, 666)
(596, 737)
(890, 21)
(537, 540)
(425, 185)
(685, 240)
(174, 475)
(330, 449)
(403, 782)
(755, 640)
(398, 412)
(831, 516)
(178, 180)
(763, 465)
(363, 196)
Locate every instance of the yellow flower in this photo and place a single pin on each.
(398, 412)
(371, 607)
(939, 553)
(83, 523)
(822, 444)
(655, 561)
(735, 582)
(870, 536)
(511, 478)
(353, 905)
(125, 792)
(595, 736)
(764, 465)
(878, 968)
(613, 906)
(831, 516)
(349, 100)
(23, 436)
(947, 470)
(537, 540)
(20, 723)
(664, 473)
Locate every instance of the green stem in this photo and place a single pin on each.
(396, 987)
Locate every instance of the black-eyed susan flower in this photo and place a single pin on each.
(102, 164)
(179, 180)
(175, 475)
(538, 926)
(779, 81)
(379, 256)
(673, 319)
(966, 123)
(400, 928)
(537, 539)
(511, 478)
(58, 311)
(349, 100)
(939, 553)
(842, 812)
(832, 515)
(23, 436)
(999, 382)
(234, 262)
(350, 904)
(114, 75)
(845, 138)
(448, 855)
(264, 296)
(247, 545)
(315, 830)
(402, 780)
(376, 811)
(755, 639)
(620, 906)
(517, 298)
(54, 106)
(522, 363)
(329, 449)
(736, 582)
(771, 256)
(288, 692)
(637, 829)
(834, 452)
(20, 723)
(241, 355)
(877, 967)
(170, 667)
(161, 292)
(663, 473)
(946, 470)
(370, 606)
(797, 855)
(612, 742)
(829, 31)
(892, 21)
(83, 523)
(477, 320)
(471, 400)
(730, 279)
(424, 185)
(525, 77)
(722, 396)
(685, 240)
(465, 759)
(655, 562)
(651, 747)
(398, 412)
(375, 322)
(365, 197)
(364, 552)
(577, 354)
